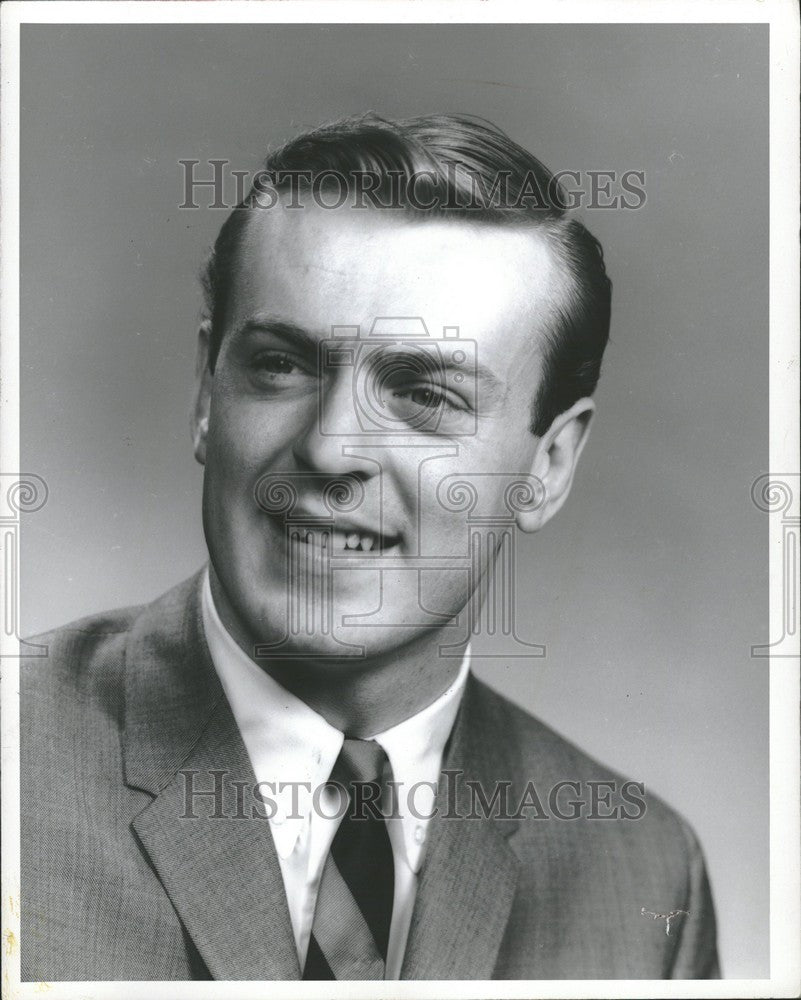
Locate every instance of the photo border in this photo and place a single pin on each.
(785, 883)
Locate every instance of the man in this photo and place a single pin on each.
(283, 768)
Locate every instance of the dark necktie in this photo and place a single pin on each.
(350, 932)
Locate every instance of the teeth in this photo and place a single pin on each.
(338, 541)
(353, 541)
(318, 539)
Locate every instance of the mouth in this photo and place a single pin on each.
(341, 541)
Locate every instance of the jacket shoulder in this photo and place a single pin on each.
(535, 741)
(84, 660)
(71, 653)
(83, 646)
(551, 760)
(95, 626)
(592, 842)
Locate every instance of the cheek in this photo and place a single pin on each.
(444, 592)
(470, 500)
(230, 455)
(245, 435)
(488, 462)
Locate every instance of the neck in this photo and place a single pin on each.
(369, 697)
(364, 696)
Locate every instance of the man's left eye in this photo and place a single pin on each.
(425, 396)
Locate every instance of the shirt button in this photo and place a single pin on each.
(419, 835)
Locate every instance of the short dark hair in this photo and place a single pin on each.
(464, 168)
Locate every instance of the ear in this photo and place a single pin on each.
(203, 384)
(555, 459)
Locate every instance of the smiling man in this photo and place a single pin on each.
(284, 768)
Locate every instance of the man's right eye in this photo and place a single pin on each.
(275, 363)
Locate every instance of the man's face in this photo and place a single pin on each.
(391, 417)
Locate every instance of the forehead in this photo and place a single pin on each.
(318, 268)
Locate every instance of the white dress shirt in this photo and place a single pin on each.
(294, 749)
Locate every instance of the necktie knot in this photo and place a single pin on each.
(360, 761)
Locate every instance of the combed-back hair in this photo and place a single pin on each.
(444, 166)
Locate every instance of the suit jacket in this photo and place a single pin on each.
(119, 881)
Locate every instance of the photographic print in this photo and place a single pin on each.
(400, 500)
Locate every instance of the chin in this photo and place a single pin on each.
(366, 616)
(349, 646)
(300, 638)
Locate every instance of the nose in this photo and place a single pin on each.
(333, 432)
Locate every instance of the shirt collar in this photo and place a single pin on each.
(288, 742)
(414, 748)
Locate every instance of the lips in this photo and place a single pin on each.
(339, 539)
(346, 541)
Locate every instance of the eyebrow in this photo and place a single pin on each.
(287, 330)
(483, 374)
(278, 327)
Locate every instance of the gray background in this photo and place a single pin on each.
(651, 585)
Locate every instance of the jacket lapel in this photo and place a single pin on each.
(467, 883)
(214, 856)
